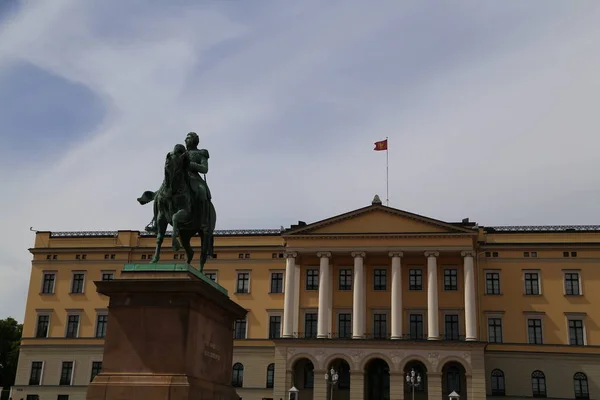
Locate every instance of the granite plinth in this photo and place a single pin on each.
(169, 336)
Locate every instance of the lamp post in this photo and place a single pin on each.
(332, 378)
(413, 380)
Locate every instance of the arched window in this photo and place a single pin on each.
(238, 375)
(582, 390)
(270, 376)
(453, 380)
(538, 384)
(498, 383)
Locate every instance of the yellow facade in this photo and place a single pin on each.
(545, 276)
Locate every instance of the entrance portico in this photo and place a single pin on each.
(377, 369)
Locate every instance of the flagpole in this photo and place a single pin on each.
(387, 173)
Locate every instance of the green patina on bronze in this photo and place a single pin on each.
(174, 268)
(184, 201)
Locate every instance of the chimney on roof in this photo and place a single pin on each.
(376, 201)
(465, 220)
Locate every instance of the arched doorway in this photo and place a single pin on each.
(420, 390)
(341, 390)
(377, 380)
(454, 379)
(303, 378)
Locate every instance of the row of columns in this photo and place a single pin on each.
(359, 295)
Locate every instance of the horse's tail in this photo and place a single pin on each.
(146, 197)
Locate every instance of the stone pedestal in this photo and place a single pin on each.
(169, 336)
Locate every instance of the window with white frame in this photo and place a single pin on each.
(416, 326)
(72, 330)
(66, 373)
(535, 330)
(108, 275)
(35, 375)
(276, 282)
(101, 324)
(212, 275)
(572, 283)
(380, 324)
(345, 279)
(415, 279)
(275, 319)
(312, 279)
(43, 325)
(96, 369)
(576, 327)
(344, 328)
(451, 326)
(495, 329)
(48, 282)
(78, 282)
(492, 282)
(243, 282)
(240, 328)
(532, 283)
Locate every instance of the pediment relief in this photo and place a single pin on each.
(379, 220)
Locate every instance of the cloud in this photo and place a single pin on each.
(489, 109)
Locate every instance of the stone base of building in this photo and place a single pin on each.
(170, 337)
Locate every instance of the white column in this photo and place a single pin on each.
(288, 301)
(433, 331)
(397, 309)
(358, 300)
(470, 314)
(324, 288)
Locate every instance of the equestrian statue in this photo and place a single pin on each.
(184, 201)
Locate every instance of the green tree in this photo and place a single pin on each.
(10, 340)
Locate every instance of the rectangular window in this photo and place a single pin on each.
(277, 282)
(32, 397)
(450, 279)
(416, 326)
(211, 275)
(572, 284)
(310, 325)
(96, 369)
(345, 279)
(415, 279)
(576, 332)
(239, 329)
(534, 331)
(312, 279)
(62, 397)
(494, 330)
(344, 325)
(243, 282)
(72, 326)
(43, 324)
(492, 283)
(379, 279)
(274, 326)
(78, 282)
(35, 377)
(451, 327)
(108, 276)
(101, 322)
(66, 373)
(379, 325)
(532, 283)
(48, 282)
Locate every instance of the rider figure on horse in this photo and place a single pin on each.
(197, 164)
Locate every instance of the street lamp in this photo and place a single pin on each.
(413, 380)
(332, 377)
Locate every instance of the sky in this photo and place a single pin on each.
(491, 109)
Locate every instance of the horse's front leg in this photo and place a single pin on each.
(185, 242)
(160, 236)
(178, 217)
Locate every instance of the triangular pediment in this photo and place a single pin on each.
(378, 219)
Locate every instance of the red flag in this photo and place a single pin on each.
(381, 145)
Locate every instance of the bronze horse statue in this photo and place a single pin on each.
(174, 205)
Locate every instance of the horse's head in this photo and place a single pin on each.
(176, 166)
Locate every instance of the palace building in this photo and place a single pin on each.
(375, 293)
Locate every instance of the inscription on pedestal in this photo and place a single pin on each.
(211, 351)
